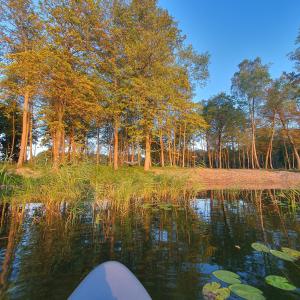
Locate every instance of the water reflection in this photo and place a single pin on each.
(45, 250)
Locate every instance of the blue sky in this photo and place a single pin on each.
(232, 30)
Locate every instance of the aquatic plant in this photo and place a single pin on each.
(246, 291)
(260, 247)
(280, 283)
(213, 290)
(227, 276)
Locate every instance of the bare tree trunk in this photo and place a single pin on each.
(162, 156)
(254, 159)
(291, 140)
(24, 130)
(63, 145)
(30, 134)
(286, 155)
(57, 140)
(132, 152)
(98, 146)
(116, 143)
(174, 148)
(220, 152)
(170, 149)
(208, 151)
(268, 161)
(13, 139)
(148, 151)
(139, 155)
(183, 148)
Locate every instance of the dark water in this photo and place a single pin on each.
(46, 251)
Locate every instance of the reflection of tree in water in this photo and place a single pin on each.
(50, 248)
(240, 218)
(15, 214)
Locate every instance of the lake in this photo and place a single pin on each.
(46, 250)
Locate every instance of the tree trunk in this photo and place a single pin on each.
(254, 159)
(63, 145)
(132, 152)
(183, 148)
(286, 155)
(174, 149)
(116, 143)
(162, 156)
(24, 130)
(98, 147)
(170, 149)
(219, 152)
(139, 155)
(57, 139)
(147, 163)
(13, 137)
(30, 134)
(268, 161)
(291, 140)
(209, 154)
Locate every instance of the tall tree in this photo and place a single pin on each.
(250, 83)
(22, 43)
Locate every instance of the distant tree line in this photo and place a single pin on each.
(113, 81)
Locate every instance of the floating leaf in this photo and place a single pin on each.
(260, 247)
(247, 291)
(227, 276)
(291, 252)
(282, 255)
(212, 290)
(280, 283)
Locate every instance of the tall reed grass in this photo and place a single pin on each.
(101, 184)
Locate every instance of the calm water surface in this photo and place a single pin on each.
(45, 251)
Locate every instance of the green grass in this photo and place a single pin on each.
(88, 182)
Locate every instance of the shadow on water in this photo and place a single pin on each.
(46, 250)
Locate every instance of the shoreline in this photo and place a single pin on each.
(242, 179)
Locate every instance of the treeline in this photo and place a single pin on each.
(113, 81)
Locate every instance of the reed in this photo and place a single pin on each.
(101, 184)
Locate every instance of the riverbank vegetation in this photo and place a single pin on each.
(113, 82)
(86, 182)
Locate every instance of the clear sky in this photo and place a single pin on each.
(232, 30)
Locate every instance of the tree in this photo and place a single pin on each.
(250, 83)
(22, 68)
(223, 118)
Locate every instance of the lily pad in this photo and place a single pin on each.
(213, 290)
(227, 276)
(260, 247)
(282, 255)
(291, 252)
(247, 291)
(280, 283)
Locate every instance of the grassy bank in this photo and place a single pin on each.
(89, 182)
